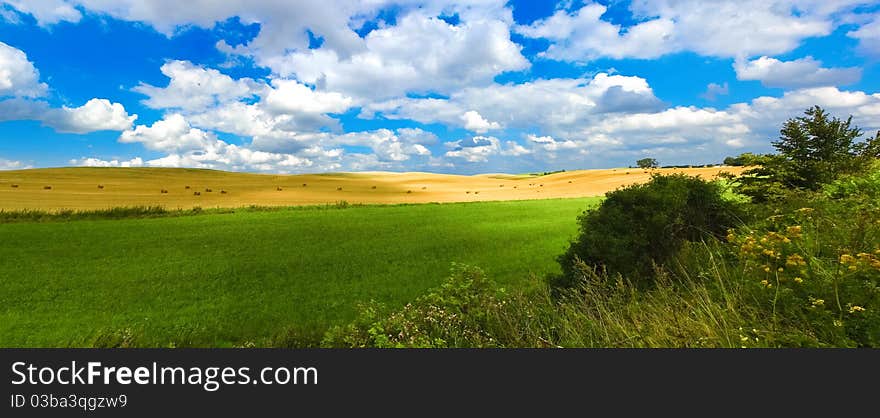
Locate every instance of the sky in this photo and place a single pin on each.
(470, 86)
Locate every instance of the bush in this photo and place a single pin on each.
(807, 268)
(453, 315)
(867, 185)
(646, 224)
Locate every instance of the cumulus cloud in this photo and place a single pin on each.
(212, 100)
(802, 72)
(553, 105)
(717, 28)
(291, 96)
(385, 144)
(47, 12)
(194, 88)
(19, 82)
(18, 76)
(477, 149)
(97, 162)
(191, 147)
(713, 90)
(868, 36)
(583, 36)
(12, 165)
(447, 58)
(95, 115)
(172, 134)
(473, 121)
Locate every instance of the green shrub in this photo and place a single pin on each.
(646, 224)
(867, 185)
(817, 268)
(453, 315)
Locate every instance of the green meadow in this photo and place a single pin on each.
(276, 277)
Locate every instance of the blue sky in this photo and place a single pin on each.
(445, 86)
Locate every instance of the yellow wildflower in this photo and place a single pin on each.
(795, 260)
(780, 269)
(846, 258)
(856, 308)
(818, 302)
(798, 280)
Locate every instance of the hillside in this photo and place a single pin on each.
(98, 188)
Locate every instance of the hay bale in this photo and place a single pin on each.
(197, 193)
(47, 187)
(14, 186)
(339, 188)
(222, 191)
(101, 186)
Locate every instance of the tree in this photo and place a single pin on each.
(817, 148)
(647, 163)
(746, 158)
(813, 150)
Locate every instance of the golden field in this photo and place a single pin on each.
(101, 188)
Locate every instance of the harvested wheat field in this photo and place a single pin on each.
(100, 188)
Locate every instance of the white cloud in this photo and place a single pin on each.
(713, 90)
(97, 162)
(447, 58)
(474, 150)
(291, 96)
(584, 36)
(19, 79)
(172, 134)
(212, 100)
(473, 51)
(868, 36)
(802, 72)
(553, 105)
(194, 88)
(12, 165)
(47, 12)
(473, 121)
(18, 76)
(95, 115)
(716, 28)
(192, 147)
(386, 145)
(514, 149)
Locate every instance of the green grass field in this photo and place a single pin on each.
(222, 279)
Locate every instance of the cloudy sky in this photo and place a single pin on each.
(422, 85)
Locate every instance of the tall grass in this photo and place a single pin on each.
(714, 310)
